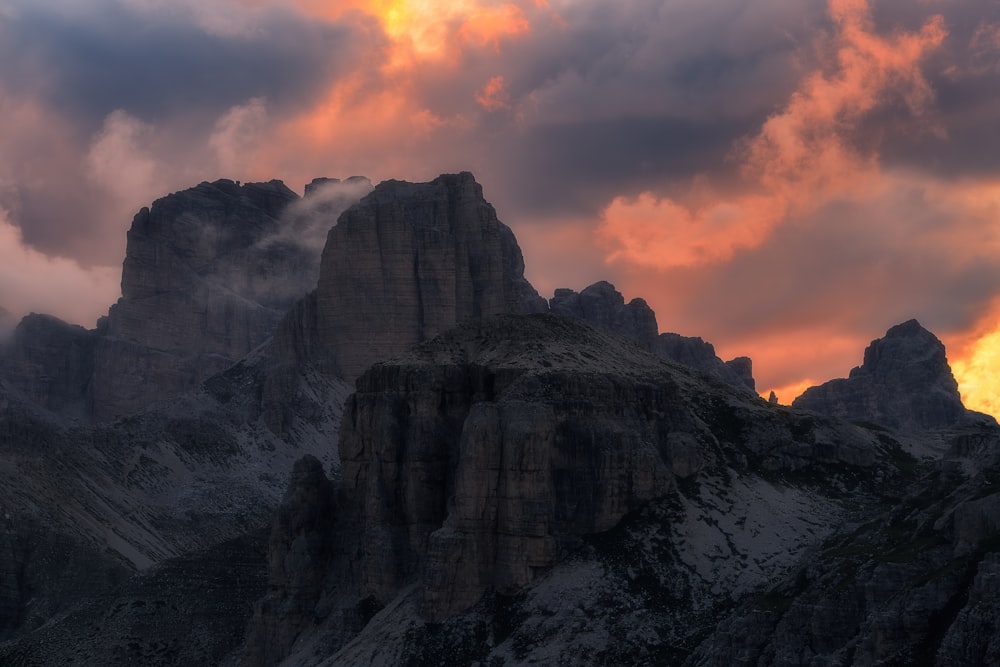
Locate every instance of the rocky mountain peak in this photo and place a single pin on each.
(409, 261)
(904, 383)
(906, 348)
(601, 305)
(210, 233)
(604, 307)
(208, 274)
(51, 363)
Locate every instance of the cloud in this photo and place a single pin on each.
(976, 373)
(33, 282)
(802, 157)
(155, 60)
(310, 219)
(119, 162)
(238, 133)
(494, 95)
(143, 98)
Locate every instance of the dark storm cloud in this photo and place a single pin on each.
(963, 137)
(87, 63)
(615, 99)
(577, 168)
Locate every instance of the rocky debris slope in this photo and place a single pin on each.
(81, 507)
(603, 306)
(189, 610)
(483, 471)
(904, 383)
(915, 584)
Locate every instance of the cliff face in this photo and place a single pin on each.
(51, 363)
(477, 463)
(411, 260)
(904, 383)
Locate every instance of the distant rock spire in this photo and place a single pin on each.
(904, 383)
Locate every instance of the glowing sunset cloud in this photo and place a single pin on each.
(978, 374)
(432, 30)
(800, 159)
(494, 95)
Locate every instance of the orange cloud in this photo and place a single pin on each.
(977, 371)
(494, 95)
(655, 232)
(802, 157)
(985, 47)
(805, 157)
(434, 30)
(486, 26)
(375, 118)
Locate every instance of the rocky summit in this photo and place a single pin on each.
(904, 383)
(410, 261)
(343, 429)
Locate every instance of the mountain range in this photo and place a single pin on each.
(344, 429)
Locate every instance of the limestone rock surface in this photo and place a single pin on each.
(410, 261)
(697, 353)
(478, 463)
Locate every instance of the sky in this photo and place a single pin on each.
(784, 178)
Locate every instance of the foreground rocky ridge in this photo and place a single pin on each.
(501, 458)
